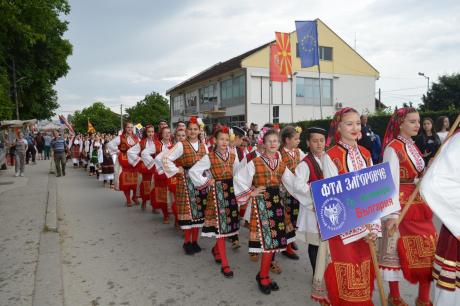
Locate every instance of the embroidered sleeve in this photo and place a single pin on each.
(197, 173)
(146, 155)
(242, 183)
(301, 186)
(169, 157)
(113, 145)
(133, 154)
(390, 156)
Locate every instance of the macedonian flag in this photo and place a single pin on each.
(280, 58)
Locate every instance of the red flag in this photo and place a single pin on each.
(280, 58)
(275, 65)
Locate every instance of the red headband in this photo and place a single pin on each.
(392, 130)
(333, 131)
(193, 119)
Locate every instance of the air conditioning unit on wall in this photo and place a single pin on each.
(338, 105)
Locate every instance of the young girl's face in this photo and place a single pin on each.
(350, 127)
(410, 125)
(272, 143)
(427, 126)
(317, 143)
(150, 132)
(180, 135)
(166, 134)
(293, 142)
(129, 128)
(222, 141)
(193, 130)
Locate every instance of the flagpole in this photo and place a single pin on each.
(270, 97)
(319, 76)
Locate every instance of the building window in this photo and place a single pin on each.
(276, 114)
(325, 53)
(307, 91)
(178, 105)
(190, 102)
(208, 97)
(233, 91)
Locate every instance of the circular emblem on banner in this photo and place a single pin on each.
(333, 214)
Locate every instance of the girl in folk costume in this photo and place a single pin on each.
(190, 201)
(127, 177)
(86, 144)
(308, 171)
(350, 274)
(140, 156)
(291, 155)
(411, 251)
(76, 148)
(94, 153)
(259, 182)
(159, 196)
(439, 188)
(107, 167)
(221, 214)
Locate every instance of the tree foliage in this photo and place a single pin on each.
(102, 118)
(443, 95)
(33, 55)
(153, 108)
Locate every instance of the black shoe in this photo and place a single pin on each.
(265, 289)
(292, 256)
(274, 286)
(188, 248)
(195, 247)
(295, 246)
(228, 274)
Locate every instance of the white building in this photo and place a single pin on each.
(237, 91)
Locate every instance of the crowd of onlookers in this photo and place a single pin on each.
(26, 148)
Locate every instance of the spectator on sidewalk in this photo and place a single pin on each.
(47, 141)
(40, 141)
(21, 147)
(31, 152)
(58, 145)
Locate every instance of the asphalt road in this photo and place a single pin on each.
(113, 255)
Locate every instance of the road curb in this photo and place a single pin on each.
(51, 223)
(48, 289)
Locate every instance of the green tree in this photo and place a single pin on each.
(443, 95)
(102, 118)
(33, 54)
(150, 110)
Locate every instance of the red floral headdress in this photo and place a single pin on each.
(333, 131)
(193, 119)
(396, 119)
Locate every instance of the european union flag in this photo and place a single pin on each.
(307, 40)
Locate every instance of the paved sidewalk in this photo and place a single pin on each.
(22, 217)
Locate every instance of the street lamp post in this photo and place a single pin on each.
(427, 83)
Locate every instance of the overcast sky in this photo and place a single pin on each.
(123, 50)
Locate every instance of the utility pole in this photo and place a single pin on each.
(15, 89)
(380, 95)
(121, 116)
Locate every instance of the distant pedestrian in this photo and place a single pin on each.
(442, 127)
(47, 145)
(31, 151)
(21, 147)
(40, 144)
(58, 145)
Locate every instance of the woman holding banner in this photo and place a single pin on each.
(350, 274)
(409, 252)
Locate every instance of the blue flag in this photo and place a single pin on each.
(307, 41)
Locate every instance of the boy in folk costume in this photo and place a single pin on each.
(350, 274)
(107, 167)
(127, 177)
(410, 251)
(439, 188)
(190, 201)
(221, 214)
(259, 182)
(159, 196)
(308, 171)
(291, 155)
(94, 159)
(76, 148)
(140, 156)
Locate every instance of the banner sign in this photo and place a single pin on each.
(352, 199)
